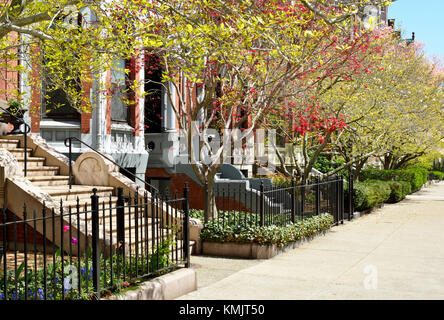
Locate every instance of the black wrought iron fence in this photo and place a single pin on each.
(273, 205)
(92, 247)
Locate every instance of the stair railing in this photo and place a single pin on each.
(68, 143)
(25, 137)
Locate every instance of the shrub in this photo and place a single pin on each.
(325, 165)
(399, 190)
(246, 231)
(369, 194)
(417, 177)
(436, 175)
(420, 177)
(281, 181)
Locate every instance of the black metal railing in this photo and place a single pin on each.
(68, 143)
(20, 121)
(272, 205)
(94, 247)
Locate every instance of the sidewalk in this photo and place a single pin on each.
(396, 252)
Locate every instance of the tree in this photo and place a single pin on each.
(314, 128)
(241, 59)
(399, 116)
(64, 43)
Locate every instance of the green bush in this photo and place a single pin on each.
(232, 229)
(369, 194)
(436, 175)
(325, 165)
(399, 190)
(420, 177)
(417, 177)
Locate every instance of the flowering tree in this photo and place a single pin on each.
(394, 112)
(234, 62)
(312, 129)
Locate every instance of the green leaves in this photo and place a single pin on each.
(230, 228)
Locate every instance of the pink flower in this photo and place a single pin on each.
(74, 240)
(66, 228)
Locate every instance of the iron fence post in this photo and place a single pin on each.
(95, 243)
(186, 226)
(4, 249)
(337, 199)
(317, 196)
(293, 200)
(302, 197)
(261, 205)
(341, 198)
(70, 164)
(350, 195)
(206, 208)
(120, 211)
(25, 154)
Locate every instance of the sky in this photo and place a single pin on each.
(425, 18)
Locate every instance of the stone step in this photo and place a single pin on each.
(131, 224)
(42, 171)
(49, 180)
(82, 201)
(88, 216)
(77, 191)
(18, 152)
(9, 140)
(102, 200)
(176, 249)
(9, 144)
(31, 161)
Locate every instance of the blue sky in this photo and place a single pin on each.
(425, 18)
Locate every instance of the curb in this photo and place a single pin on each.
(166, 287)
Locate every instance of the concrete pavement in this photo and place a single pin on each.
(396, 252)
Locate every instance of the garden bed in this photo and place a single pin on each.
(241, 238)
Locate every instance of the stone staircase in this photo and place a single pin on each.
(48, 180)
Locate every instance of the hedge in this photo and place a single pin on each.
(436, 175)
(399, 190)
(370, 194)
(248, 232)
(417, 177)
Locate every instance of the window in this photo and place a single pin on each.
(55, 104)
(153, 99)
(119, 109)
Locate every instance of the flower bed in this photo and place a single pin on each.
(233, 230)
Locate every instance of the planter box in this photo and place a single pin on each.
(249, 250)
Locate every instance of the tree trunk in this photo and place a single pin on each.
(387, 161)
(210, 201)
(358, 169)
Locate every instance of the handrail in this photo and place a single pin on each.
(68, 143)
(25, 138)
